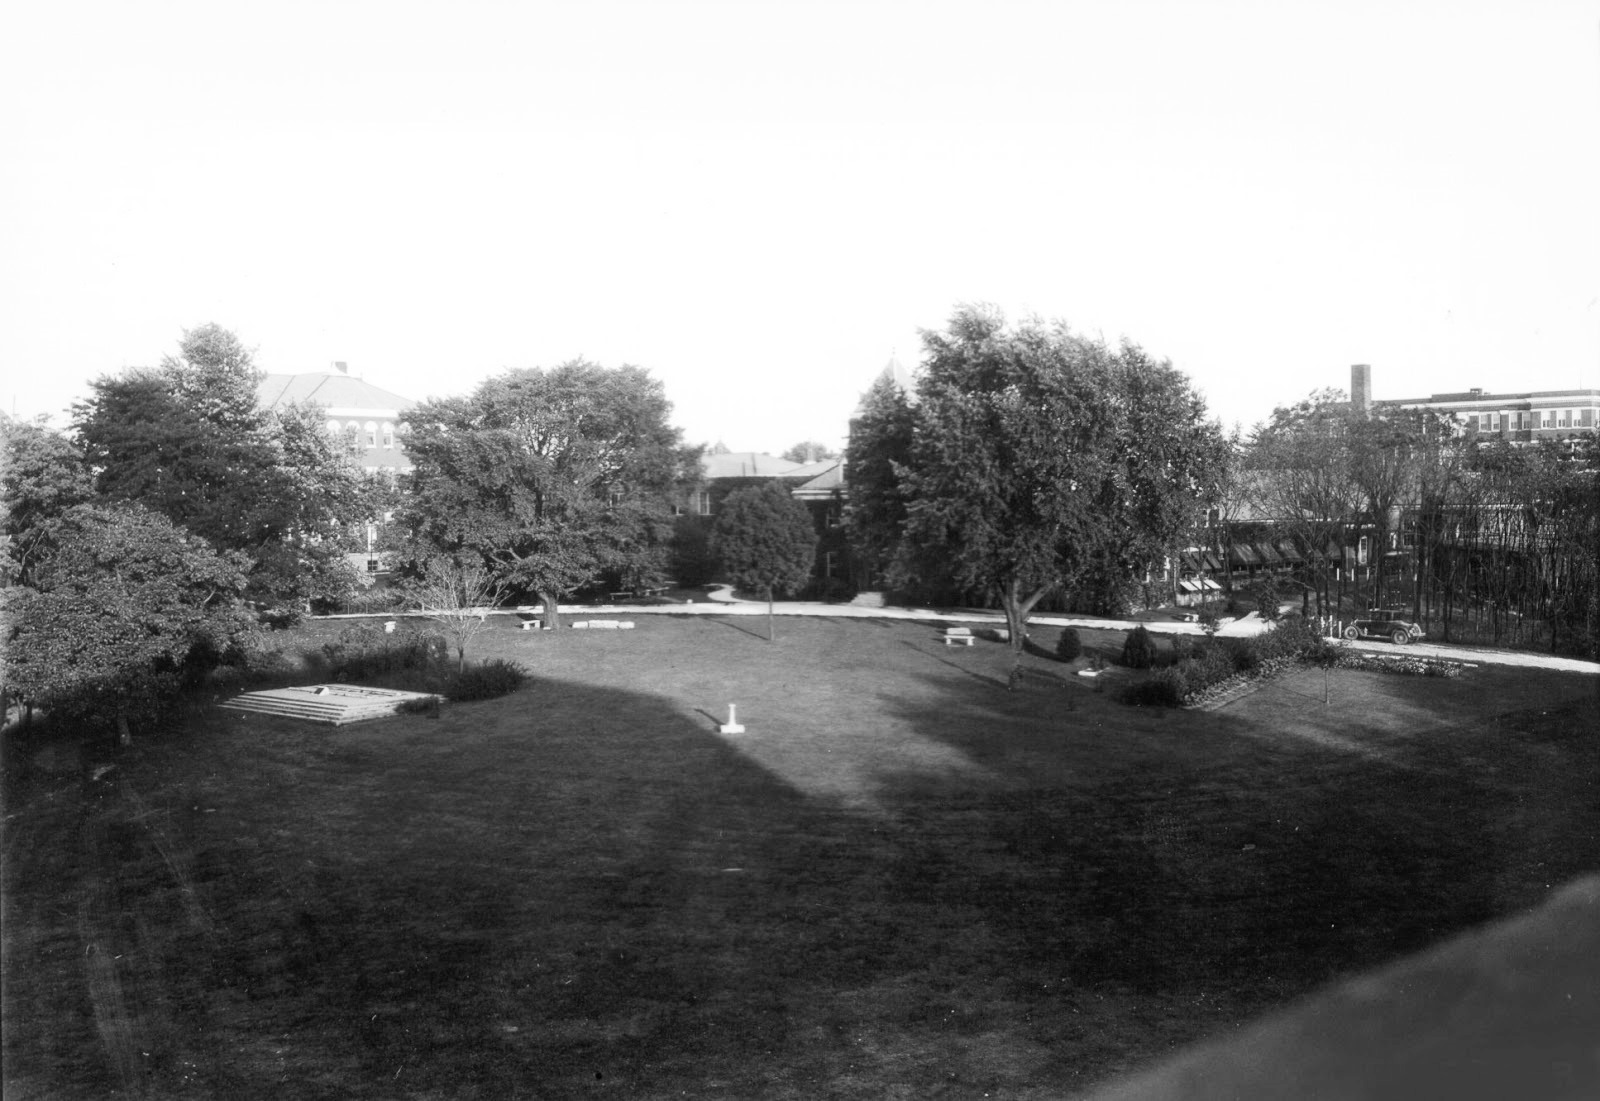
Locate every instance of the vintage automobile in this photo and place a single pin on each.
(1389, 623)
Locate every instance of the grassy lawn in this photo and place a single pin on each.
(902, 881)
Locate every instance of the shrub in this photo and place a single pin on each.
(1164, 688)
(1264, 595)
(281, 617)
(488, 681)
(1183, 648)
(1139, 651)
(365, 651)
(1069, 646)
(1243, 653)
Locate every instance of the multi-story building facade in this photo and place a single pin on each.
(365, 415)
(1517, 417)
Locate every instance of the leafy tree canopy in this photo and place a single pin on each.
(188, 440)
(764, 540)
(43, 475)
(552, 477)
(880, 447)
(1040, 458)
(123, 606)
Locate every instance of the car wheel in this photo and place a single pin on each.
(1352, 633)
(1400, 637)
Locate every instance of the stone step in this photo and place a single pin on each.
(332, 704)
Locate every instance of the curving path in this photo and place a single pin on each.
(721, 602)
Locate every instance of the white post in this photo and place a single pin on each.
(732, 725)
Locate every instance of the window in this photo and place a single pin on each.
(1549, 418)
(372, 433)
(388, 435)
(702, 503)
(1588, 418)
(334, 428)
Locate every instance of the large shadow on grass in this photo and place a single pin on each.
(1253, 855)
(581, 888)
(571, 889)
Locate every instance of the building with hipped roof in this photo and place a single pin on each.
(365, 415)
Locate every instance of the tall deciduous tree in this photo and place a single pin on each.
(1040, 458)
(188, 440)
(1301, 478)
(764, 541)
(42, 476)
(552, 477)
(124, 604)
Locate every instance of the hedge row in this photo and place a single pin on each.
(1207, 666)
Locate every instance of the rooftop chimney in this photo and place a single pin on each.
(341, 366)
(1361, 387)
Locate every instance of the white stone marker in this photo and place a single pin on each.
(732, 725)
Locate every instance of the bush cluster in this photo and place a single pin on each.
(487, 681)
(366, 651)
(1206, 664)
(1166, 687)
(1407, 666)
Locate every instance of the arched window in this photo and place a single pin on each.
(388, 434)
(372, 433)
(334, 427)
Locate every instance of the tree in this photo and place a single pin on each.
(880, 446)
(809, 451)
(1301, 477)
(765, 541)
(42, 477)
(124, 607)
(551, 477)
(457, 595)
(1040, 458)
(188, 440)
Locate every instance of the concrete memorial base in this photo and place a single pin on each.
(334, 704)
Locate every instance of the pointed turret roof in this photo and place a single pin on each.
(895, 373)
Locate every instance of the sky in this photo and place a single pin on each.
(761, 202)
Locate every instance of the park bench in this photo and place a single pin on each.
(953, 635)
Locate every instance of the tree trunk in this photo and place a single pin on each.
(552, 610)
(461, 657)
(1017, 608)
(770, 636)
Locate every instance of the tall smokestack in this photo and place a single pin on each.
(1361, 387)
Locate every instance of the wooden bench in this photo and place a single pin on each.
(953, 635)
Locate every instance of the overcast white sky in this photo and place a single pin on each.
(759, 202)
